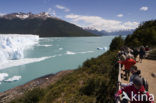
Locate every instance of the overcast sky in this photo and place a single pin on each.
(109, 15)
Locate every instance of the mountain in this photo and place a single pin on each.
(105, 33)
(121, 32)
(95, 31)
(42, 24)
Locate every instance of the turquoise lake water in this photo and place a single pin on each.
(52, 55)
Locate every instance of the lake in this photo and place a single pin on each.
(23, 62)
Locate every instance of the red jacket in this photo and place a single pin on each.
(137, 92)
(128, 63)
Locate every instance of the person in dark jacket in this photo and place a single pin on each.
(142, 53)
(135, 53)
(135, 72)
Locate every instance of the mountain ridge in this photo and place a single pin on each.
(105, 33)
(21, 15)
(42, 24)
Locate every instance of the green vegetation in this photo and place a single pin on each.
(31, 96)
(152, 54)
(117, 43)
(94, 82)
(45, 28)
(145, 34)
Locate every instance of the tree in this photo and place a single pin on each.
(117, 43)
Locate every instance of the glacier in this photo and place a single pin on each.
(12, 46)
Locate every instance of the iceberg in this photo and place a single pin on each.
(12, 46)
(105, 48)
(45, 45)
(70, 53)
(13, 63)
(60, 48)
(3, 76)
(14, 78)
(86, 52)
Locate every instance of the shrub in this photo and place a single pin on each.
(145, 34)
(117, 43)
(32, 96)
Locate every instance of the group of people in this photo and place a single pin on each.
(135, 91)
(128, 57)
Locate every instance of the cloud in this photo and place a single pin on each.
(62, 8)
(2, 14)
(144, 8)
(100, 23)
(51, 12)
(120, 15)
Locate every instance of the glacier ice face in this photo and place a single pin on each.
(12, 46)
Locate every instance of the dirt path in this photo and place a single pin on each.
(148, 67)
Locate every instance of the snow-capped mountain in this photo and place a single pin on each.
(42, 15)
(42, 24)
(104, 33)
(94, 31)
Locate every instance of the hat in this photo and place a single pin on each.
(137, 81)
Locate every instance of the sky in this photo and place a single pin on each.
(108, 15)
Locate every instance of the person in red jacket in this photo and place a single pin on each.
(135, 93)
(128, 63)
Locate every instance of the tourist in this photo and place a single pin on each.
(135, 93)
(135, 53)
(135, 72)
(147, 48)
(141, 53)
(128, 63)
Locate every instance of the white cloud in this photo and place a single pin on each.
(51, 12)
(120, 15)
(144, 8)
(62, 8)
(100, 23)
(2, 14)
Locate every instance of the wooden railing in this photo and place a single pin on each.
(119, 80)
